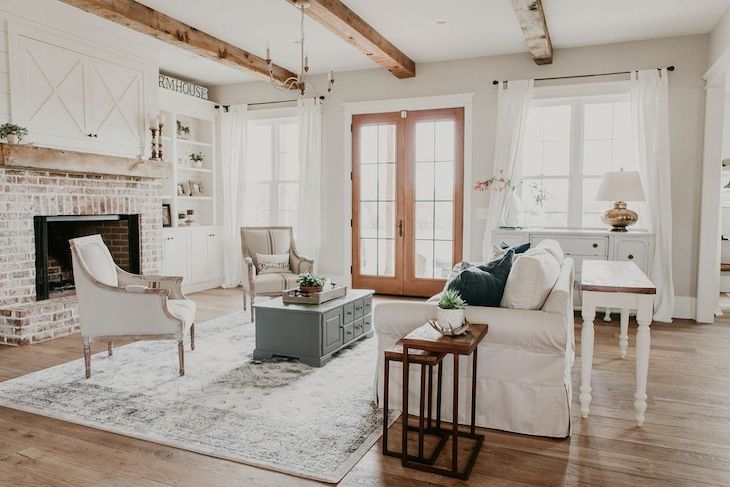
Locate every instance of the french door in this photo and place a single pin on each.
(407, 199)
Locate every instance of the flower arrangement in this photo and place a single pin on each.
(499, 182)
(539, 194)
(309, 283)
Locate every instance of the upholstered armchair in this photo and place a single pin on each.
(114, 304)
(268, 241)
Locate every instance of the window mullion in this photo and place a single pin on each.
(575, 191)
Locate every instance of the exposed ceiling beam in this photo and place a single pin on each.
(346, 24)
(163, 27)
(531, 16)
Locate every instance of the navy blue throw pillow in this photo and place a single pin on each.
(484, 285)
(519, 249)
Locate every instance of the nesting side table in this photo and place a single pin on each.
(427, 339)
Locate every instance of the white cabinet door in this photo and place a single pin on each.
(206, 255)
(50, 87)
(175, 259)
(116, 106)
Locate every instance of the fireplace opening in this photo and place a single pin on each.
(54, 271)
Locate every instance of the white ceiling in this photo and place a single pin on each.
(473, 28)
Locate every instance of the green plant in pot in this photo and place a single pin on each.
(450, 313)
(197, 159)
(12, 133)
(309, 283)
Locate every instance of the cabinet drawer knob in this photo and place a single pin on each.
(169, 238)
(631, 257)
(595, 245)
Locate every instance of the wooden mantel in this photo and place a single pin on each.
(24, 156)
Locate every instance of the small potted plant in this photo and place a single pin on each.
(450, 313)
(309, 284)
(183, 131)
(12, 133)
(197, 159)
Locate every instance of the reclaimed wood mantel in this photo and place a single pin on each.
(23, 156)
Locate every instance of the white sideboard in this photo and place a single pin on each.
(636, 246)
(196, 254)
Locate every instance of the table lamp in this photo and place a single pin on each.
(620, 187)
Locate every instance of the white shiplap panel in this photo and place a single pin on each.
(4, 83)
(4, 103)
(4, 66)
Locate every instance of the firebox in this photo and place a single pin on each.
(54, 271)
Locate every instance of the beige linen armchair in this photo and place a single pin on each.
(270, 240)
(114, 304)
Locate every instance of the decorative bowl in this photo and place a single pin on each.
(449, 331)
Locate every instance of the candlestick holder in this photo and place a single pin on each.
(154, 143)
(159, 143)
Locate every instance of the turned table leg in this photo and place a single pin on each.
(586, 353)
(643, 346)
(623, 338)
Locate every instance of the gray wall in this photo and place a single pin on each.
(686, 91)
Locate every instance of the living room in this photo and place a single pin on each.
(239, 239)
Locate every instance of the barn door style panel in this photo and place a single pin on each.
(74, 96)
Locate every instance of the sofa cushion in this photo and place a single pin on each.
(553, 248)
(531, 279)
(483, 285)
(519, 249)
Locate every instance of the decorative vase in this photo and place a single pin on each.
(512, 211)
(536, 218)
(12, 139)
(310, 289)
(198, 164)
(450, 318)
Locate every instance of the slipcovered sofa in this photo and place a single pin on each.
(524, 364)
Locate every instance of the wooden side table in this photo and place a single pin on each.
(427, 339)
(619, 285)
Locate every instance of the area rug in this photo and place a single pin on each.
(283, 415)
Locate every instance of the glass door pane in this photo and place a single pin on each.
(377, 184)
(434, 169)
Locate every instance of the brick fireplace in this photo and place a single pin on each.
(26, 194)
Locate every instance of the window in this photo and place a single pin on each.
(272, 172)
(568, 145)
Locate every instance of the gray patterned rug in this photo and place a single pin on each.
(311, 422)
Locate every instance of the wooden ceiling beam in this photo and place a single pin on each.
(531, 17)
(148, 21)
(346, 24)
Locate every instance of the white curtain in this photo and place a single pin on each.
(309, 217)
(650, 95)
(232, 147)
(513, 101)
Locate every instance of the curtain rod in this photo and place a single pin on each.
(669, 68)
(273, 102)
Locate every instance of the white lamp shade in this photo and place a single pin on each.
(620, 186)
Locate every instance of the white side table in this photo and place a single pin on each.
(619, 285)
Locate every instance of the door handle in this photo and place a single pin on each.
(400, 228)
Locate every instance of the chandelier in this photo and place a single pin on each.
(299, 82)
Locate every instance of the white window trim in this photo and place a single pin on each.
(577, 96)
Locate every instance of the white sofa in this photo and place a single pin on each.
(524, 364)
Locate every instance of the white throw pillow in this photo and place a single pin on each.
(531, 279)
(272, 264)
(553, 248)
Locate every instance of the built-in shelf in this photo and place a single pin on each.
(204, 198)
(194, 169)
(194, 142)
(68, 161)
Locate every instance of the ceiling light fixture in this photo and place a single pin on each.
(299, 81)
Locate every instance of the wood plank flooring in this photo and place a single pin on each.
(685, 439)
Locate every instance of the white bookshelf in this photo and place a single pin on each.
(199, 116)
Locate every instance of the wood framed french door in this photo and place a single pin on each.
(407, 199)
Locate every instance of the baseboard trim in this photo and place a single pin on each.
(685, 307)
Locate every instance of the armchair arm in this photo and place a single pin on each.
(300, 264)
(173, 284)
(249, 275)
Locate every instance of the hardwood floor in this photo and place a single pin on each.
(685, 439)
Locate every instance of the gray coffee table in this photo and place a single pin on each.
(312, 333)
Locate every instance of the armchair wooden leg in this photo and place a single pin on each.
(252, 298)
(87, 358)
(181, 356)
(110, 348)
(244, 300)
(192, 336)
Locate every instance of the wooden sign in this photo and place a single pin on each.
(184, 87)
